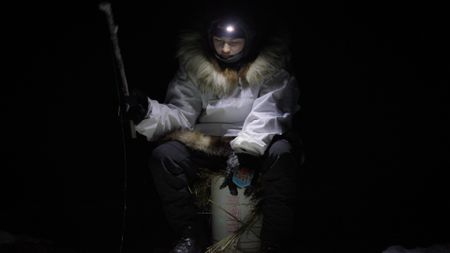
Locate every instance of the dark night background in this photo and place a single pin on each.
(374, 120)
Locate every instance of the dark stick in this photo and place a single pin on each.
(106, 8)
(113, 28)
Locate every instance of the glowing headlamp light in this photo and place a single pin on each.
(229, 28)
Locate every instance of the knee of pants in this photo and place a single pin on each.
(171, 157)
(278, 148)
(284, 146)
(279, 171)
(279, 152)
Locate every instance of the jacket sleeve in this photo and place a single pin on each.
(180, 109)
(271, 114)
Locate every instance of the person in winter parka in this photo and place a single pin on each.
(228, 107)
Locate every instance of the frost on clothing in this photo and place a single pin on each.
(253, 105)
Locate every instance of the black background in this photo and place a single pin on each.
(374, 120)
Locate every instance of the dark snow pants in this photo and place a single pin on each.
(174, 166)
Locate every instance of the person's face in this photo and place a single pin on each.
(227, 47)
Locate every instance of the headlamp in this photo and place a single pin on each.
(231, 27)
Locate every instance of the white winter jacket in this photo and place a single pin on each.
(253, 107)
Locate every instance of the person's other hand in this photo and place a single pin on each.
(247, 175)
(241, 172)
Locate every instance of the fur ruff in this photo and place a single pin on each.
(206, 73)
(212, 145)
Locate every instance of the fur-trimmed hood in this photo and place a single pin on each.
(204, 70)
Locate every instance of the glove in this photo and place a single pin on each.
(241, 172)
(247, 175)
(232, 167)
(136, 106)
